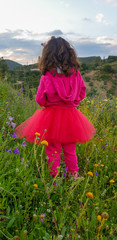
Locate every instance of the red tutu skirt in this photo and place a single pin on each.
(57, 124)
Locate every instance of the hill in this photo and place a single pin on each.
(12, 65)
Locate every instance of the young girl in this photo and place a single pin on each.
(60, 91)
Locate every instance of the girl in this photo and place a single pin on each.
(60, 91)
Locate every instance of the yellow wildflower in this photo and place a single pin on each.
(37, 134)
(115, 173)
(105, 215)
(99, 218)
(90, 174)
(101, 140)
(44, 142)
(6, 102)
(2, 110)
(102, 165)
(96, 165)
(35, 185)
(112, 181)
(89, 195)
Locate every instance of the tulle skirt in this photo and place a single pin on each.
(57, 124)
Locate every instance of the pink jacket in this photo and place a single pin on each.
(60, 90)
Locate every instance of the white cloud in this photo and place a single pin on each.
(99, 18)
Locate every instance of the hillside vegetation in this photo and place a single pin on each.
(100, 76)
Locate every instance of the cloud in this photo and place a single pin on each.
(114, 2)
(25, 47)
(55, 33)
(99, 18)
(64, 3)
(87, 19)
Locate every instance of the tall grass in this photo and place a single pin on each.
(35, 206)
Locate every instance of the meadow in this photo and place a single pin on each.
(32, 205)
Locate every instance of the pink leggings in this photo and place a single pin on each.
(53, 151)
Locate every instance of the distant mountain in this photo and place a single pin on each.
(12, 65)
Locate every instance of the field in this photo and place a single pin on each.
(32, 204)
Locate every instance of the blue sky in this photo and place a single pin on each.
(89, 25)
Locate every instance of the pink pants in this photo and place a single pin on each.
(53, 151)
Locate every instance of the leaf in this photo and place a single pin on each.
(63, 231)
(47, 236)
(8, 210)
(10, 222)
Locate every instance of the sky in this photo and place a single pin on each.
(89, 25)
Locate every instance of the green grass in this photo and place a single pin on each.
(31, 206)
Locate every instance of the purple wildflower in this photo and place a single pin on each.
(103, 146)
(11, 119)
(14, 135)
(9, 150)
(26, 166)
(42, 216)
(16, 151)
(18, 94)
(23, 143)
(8, 123)
(96, 174)
(66, 169)
(64, 175)
(21, 89)
(13, 124)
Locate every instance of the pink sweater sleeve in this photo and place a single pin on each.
(83, 88)
(41, 93)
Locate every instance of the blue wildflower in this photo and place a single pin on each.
(14, 135)
(16, 151)
(9, 150)
(96, 174)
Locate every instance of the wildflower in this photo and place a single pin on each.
(37, 134)
(16, 151)
(44, 142)
(99, 218)
(13, 124)
(105, 215)
(96, 174)
(21, 89)
(42, 216)
(66, 169)
(64, 175)
(90, 174)
(96, 165)
(111, 181)
(101, 140)
(9, 150)
(11, 119)
(26, 166)
(102, 165)
(115, 173)
(23, 143)
(89, 195)
(35, 185)
(2, 110)
(13, 135)
(7, 103)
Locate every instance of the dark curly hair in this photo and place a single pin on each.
(58, 53)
